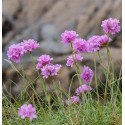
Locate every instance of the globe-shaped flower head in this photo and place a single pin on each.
(15, 52)
(68, 36)
(111, 26)
(87, 74)
(27, 111)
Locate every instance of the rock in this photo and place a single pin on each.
(35, 9)
(10, 7)
(49, 32)
(7, 38)
(7, 26)
(50, 46)
(45, 20)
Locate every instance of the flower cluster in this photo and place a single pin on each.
(43, 60)
(27, 111)
(47, 68)
(73, 58)
(104, 39)
(68, 36)
(75, 99)
(87, 74)
(111, 26)
(50, 70)
(83, 89)
(80, 45)
(29, 45)
(16, 51)
(94, 43)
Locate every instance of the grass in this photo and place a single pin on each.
(91, 114)
(88, 112)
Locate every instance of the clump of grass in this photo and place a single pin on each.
(90, 112)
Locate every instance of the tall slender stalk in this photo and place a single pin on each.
(96, 77)
(76, 64)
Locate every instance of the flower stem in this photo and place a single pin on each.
(76, 64)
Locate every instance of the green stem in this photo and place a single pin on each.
(101, 61)
(71, 83)
(76, 65)
(41, 78)
(96, 77)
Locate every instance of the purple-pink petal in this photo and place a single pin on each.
(73, 58)
(83, 89)
(27, 111)
(87, 74)
(111, 26)
(68, 36)
(43, 60)
(30, 45)
(15, 52)
(75, 99)
(50, 70)
(80, 45)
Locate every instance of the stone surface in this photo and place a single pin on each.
(10, 7)
(50, 46)
(47, 19)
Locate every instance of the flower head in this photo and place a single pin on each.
(73, 58)
(83, 88)
(43, 60)
(50, 70)
(87, 74)
(15, 52)
(93, 44)
(80, 45)
(104, 39)
(111, 26)
(75, 99)
(68, 36)
(27, 111)
(30, 45)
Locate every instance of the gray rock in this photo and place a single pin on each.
(50, 46)
(49, 32)
(10, 7)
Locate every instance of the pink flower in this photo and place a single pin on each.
(104, 39)
(50, 70)
(80, 45)
(83, 88)
(73, 58)
(43, 60)
(75, 99)
(68, 36)
(30, 45)
(27, 111)
(111, 26)
(93, 44)
(87, 74)
(15, 52)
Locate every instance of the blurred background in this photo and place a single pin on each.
(44, 21)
